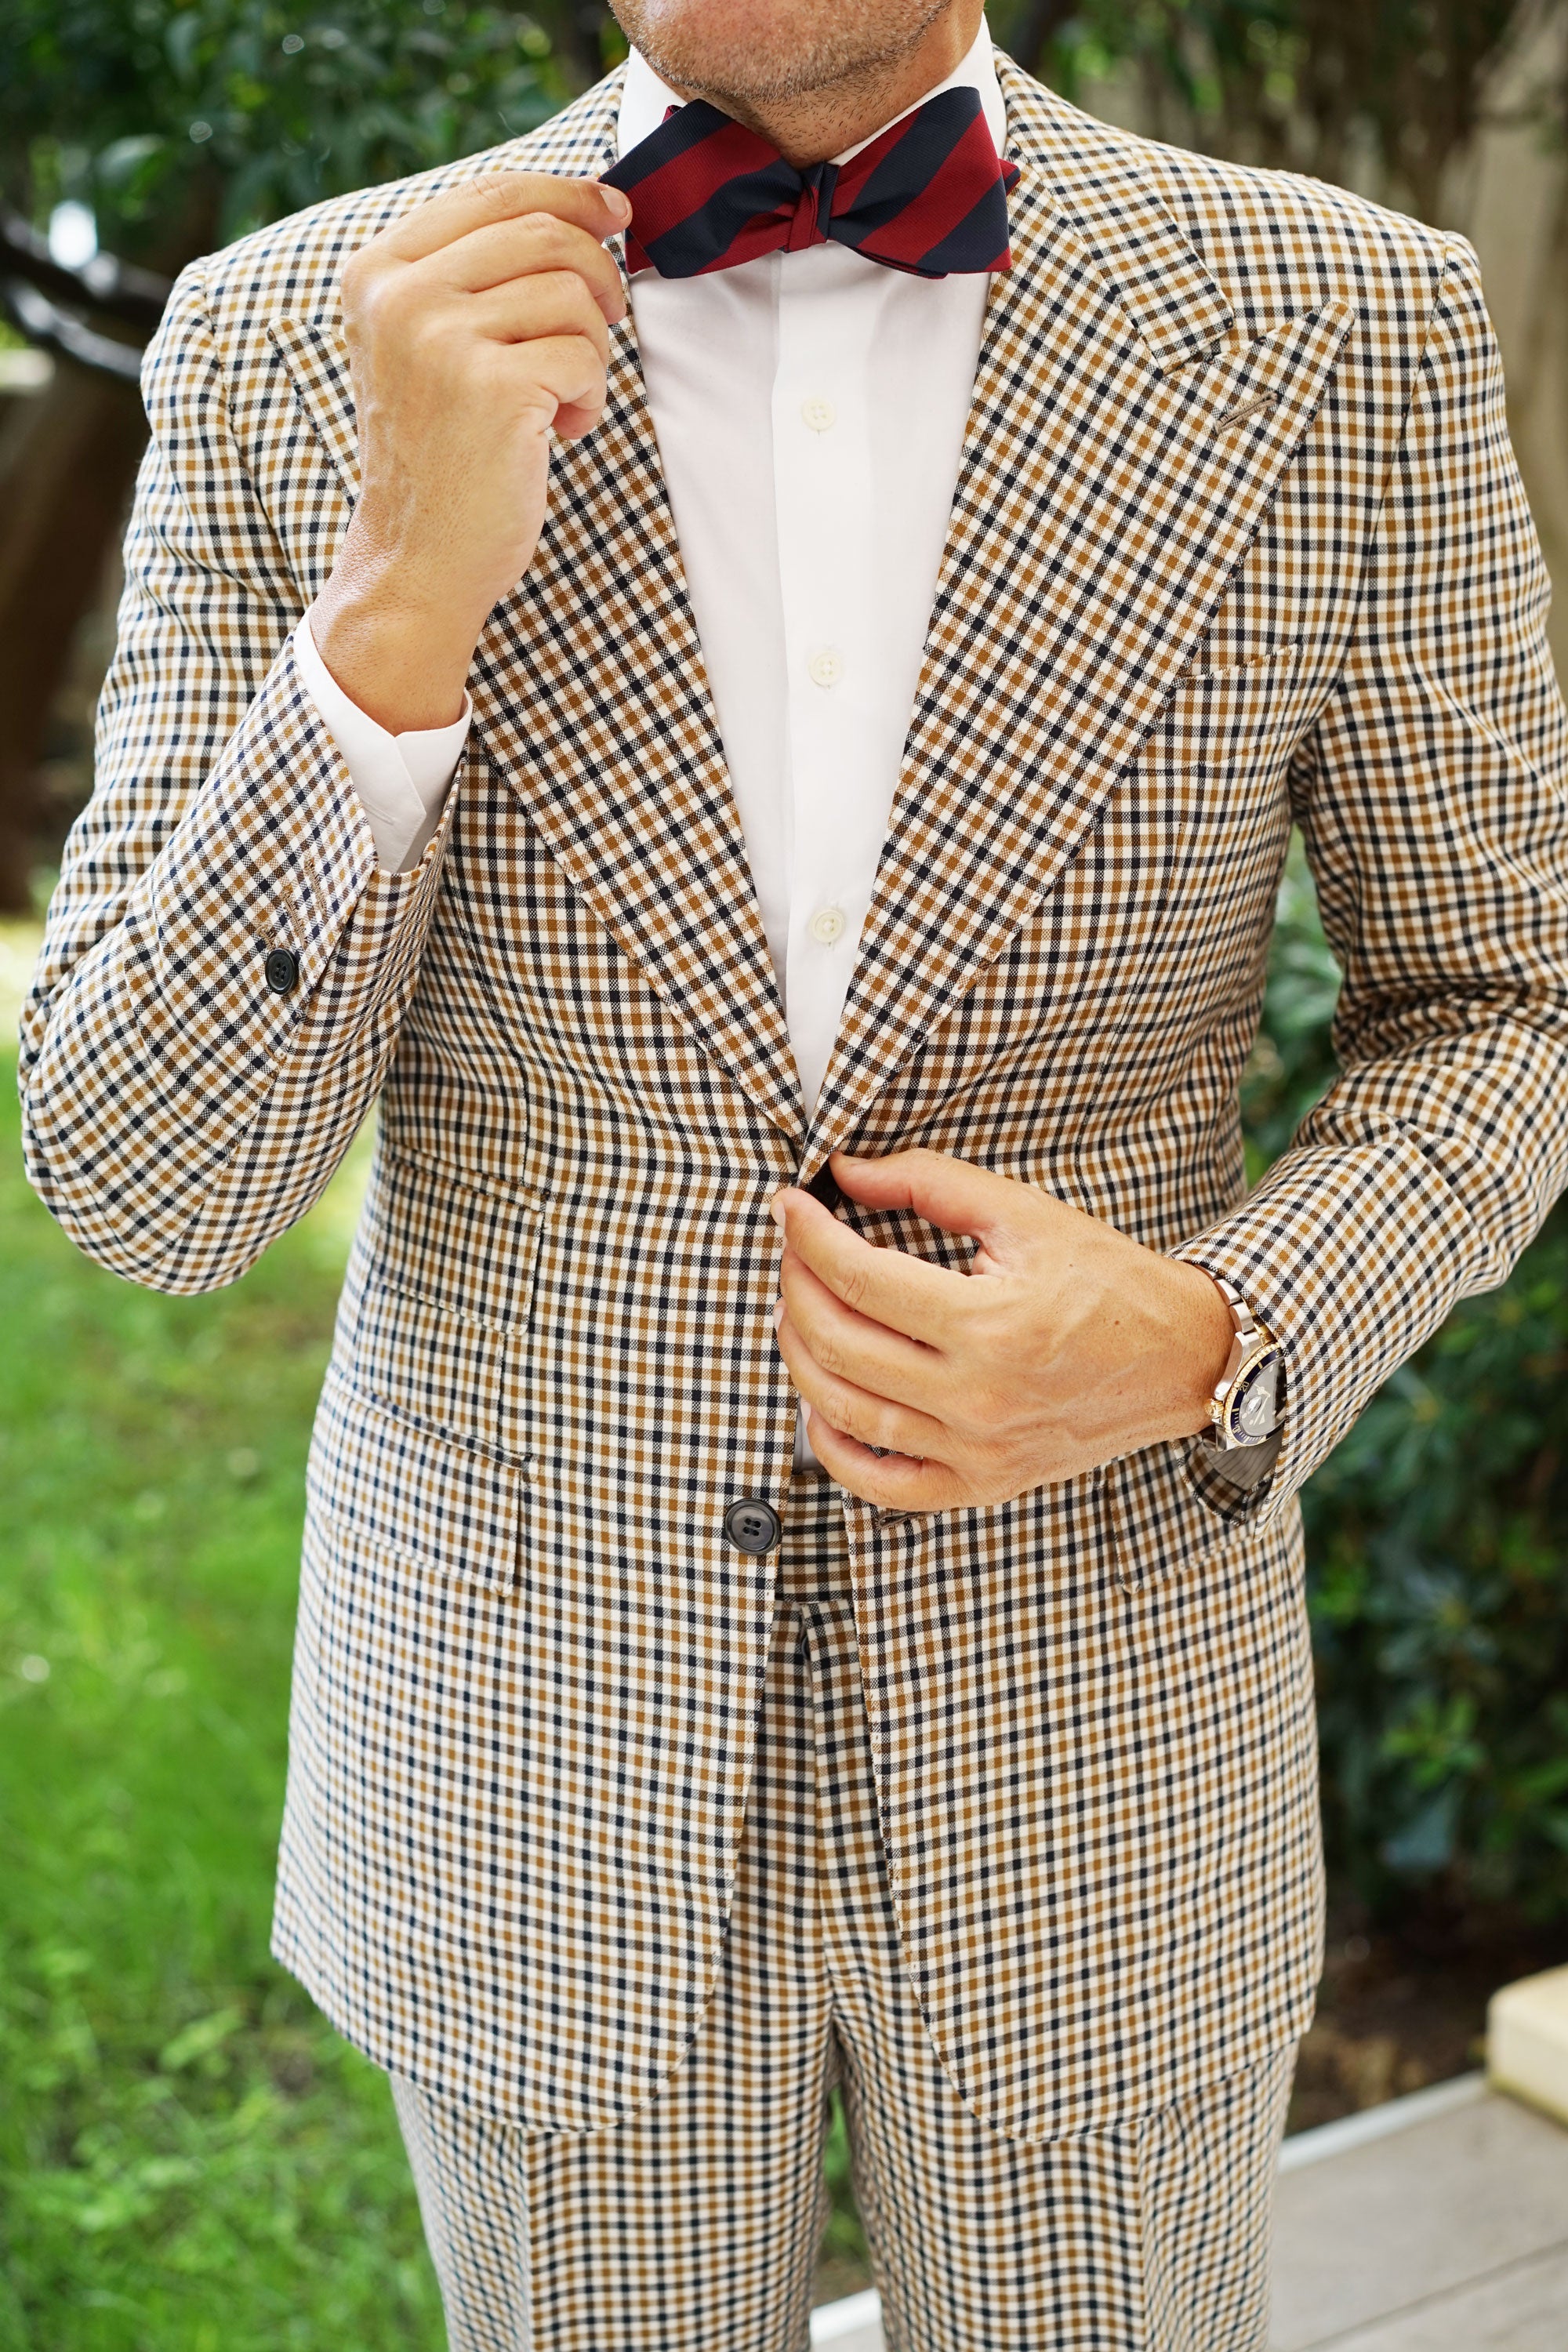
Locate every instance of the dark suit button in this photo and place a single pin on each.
(752, 1526)
(282, 971)
(824, 1187)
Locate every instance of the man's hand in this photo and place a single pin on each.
(1063, 1346)
(476, 328)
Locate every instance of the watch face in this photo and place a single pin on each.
(1252, 1409)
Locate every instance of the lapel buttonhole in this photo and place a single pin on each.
(1243, 409)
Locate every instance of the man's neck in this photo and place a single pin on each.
(822, 122)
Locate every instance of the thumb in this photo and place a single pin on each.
(952, 1193)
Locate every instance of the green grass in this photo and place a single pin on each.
(190, 2159)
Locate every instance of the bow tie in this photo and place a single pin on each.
(928, 195)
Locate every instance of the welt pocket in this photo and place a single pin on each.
(1218, 717)
(1272, 661)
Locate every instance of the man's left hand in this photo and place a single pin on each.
(1065, 1345)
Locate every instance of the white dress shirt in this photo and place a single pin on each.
(810, 409)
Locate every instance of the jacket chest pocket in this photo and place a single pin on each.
(442, 1336)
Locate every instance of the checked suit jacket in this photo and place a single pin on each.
(1237, 543)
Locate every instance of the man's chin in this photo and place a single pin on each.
(763, 52)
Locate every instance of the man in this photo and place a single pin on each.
(882, 654)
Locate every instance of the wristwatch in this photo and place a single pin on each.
(1246, 1407)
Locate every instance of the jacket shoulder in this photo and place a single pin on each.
(1275, 243)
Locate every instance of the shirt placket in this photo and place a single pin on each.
(823, 488)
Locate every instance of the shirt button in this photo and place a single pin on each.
(820, 414)
(282, 969)
(826, 925)
(826, 667)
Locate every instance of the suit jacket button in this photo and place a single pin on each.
(824, 1187)
(282, 970)
(752, 1526)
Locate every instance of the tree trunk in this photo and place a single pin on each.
(67, 466)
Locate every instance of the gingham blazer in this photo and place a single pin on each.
(1238, 539)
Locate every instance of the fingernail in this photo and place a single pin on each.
(776, 1211)
(778, 1313)
(619, 203)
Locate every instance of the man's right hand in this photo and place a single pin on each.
(476, 328)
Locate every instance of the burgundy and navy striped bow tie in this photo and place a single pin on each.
(928, 195)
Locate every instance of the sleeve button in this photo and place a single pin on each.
(282, 971)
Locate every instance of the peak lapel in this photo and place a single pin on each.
(1104, 499)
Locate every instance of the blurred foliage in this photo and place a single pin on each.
(1386, 91)
(1437, 1541)
(185, 122)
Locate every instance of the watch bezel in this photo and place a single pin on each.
(1268, 1359)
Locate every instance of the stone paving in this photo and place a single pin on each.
(1437, 2223)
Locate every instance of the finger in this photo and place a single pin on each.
(855, 1347)
(952, 1193)
(871, 1420)
(893, 1481)
(903, 1291)
(567, 370)
(505, 195)
(525, 247)
(532, 310)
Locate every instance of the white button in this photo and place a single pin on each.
(820, 414)
(826, 925)
(826, 667)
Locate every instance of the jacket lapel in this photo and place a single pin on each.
(591, 699)
(1105, 495)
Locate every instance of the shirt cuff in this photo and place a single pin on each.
(401, 780)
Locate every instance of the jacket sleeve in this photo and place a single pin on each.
(1432, 800)
(178, 1111)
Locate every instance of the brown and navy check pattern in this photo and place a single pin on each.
(1237, 540)
(693, 2225)
(927, 197)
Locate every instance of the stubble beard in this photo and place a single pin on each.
(744, 75)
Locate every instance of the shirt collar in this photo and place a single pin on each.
(645, 100)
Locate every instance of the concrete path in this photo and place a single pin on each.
(1436, 2223)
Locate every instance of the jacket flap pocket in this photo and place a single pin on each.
(421, 1498)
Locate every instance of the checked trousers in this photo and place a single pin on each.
(692, 2226)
